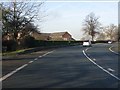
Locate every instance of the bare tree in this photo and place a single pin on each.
(111, 32)
(18, 15)
(91, 25)
(101, 36)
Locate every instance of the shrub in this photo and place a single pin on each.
(10, 45)
(28, 42)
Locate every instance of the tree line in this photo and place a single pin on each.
(92, 27)
(18, 22)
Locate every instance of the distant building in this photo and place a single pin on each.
(58, 36)
(40, 36)
(61, 36)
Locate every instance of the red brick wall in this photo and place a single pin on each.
(67, 36)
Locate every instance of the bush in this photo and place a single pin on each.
(28, 42)
(10, 45)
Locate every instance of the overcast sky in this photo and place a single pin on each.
(69, 16)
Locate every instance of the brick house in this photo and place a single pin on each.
(40, 36)
(58, 36)
(61, 36)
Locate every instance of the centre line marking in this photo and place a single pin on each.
(47, 53)
(30, 61)
(11, 73)
(94, 59)
(100, 66)
(35, 58)
(40, 56)
(18, 69)
(111, 70)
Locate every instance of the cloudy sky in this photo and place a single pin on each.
(69, 16)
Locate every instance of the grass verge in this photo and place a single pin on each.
(14, 52)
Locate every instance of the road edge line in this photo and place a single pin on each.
(110, 49)
(99, 66)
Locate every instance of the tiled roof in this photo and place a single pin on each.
(57, 33)
(58, 36)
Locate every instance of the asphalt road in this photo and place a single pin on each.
(69, 67)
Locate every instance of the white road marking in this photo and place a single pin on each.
(43, 55)
(11, 73)
(111, 70)
(35, 58)
(47, 53)
(112, 50)
(100, 66)
(87, 49)
(94, 59)
(30, 61)
(40, 56)
(23, 66)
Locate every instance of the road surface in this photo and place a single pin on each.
(68, 67)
